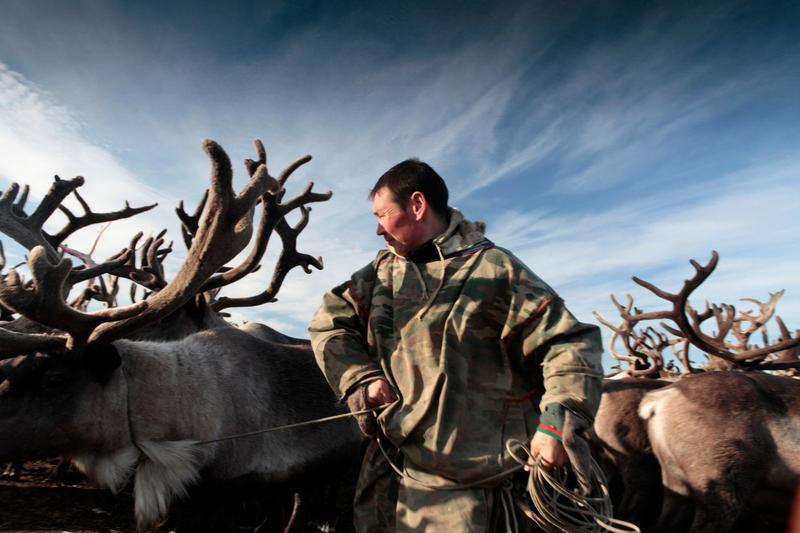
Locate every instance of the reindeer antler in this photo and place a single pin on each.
(644, 348)
(689, 326)
(224, 230)
(27, 229)
(221, 228)
(43, 301)
(13, 343)
(90, 217)
(756, 322)
(272, 220)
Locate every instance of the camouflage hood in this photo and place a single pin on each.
(460, 235)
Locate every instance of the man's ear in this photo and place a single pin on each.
(419, 204)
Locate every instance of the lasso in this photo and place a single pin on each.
(556, 508)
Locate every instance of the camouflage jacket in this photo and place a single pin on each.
(470, 343)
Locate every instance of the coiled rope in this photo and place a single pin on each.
(558, 509)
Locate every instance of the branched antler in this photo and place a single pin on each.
(89, 217)
(13, 343)
(686, 326)
(272, 219)
(644, 349)
(150, 273)
(43, 300)
(224, 230)
(189, 223)
(218, 231)
(755, 322)
(98, 291)
(289, 259)
(689, 326)
(27, 229)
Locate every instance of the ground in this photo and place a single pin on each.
(37, 503)
(34, 503)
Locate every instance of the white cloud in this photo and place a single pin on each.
(40, 138)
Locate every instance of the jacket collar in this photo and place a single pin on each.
(460, 234)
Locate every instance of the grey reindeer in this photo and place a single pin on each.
(92, 386)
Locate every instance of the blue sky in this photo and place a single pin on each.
(598, 140)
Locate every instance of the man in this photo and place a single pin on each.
(464, 345)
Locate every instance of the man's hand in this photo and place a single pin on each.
(549, 450)
(574, 450)
(379, 393)
(373, 394)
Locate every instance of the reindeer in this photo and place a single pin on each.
(723, 440)
(161, 412)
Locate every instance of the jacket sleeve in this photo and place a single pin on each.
(541, 332)
(338, 333)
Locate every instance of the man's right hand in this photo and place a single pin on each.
(374, 394)
(379, 393)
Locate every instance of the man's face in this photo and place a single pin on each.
(401, 228)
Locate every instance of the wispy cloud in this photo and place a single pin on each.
(622, 106)
(748, 216)
(40, 138)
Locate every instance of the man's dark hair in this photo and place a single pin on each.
(403, 179)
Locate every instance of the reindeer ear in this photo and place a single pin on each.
(101, 362)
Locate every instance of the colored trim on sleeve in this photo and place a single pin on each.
(550, 430)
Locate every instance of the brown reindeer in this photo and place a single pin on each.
(726, 442)
(159, 412)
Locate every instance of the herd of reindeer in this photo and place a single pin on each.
(166, 396)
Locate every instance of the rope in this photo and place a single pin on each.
(508, 506)
(288, 426)
(558, 509)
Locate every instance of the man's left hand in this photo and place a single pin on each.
(549, 450)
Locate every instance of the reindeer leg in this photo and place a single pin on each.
(721, 504)
(12, 470)
(677, 512)
(295, 510)
(718, 513)
(642, 493)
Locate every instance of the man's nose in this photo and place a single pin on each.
(380, 230)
